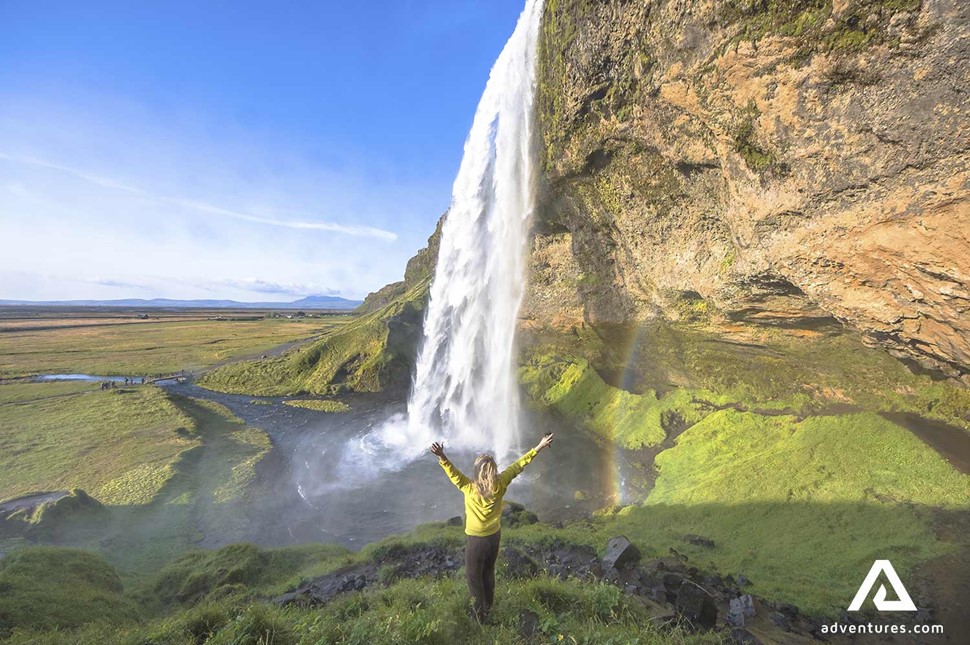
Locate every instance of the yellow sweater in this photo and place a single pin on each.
(483, 517)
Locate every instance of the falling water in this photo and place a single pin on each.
(464, 386)
(465, 392)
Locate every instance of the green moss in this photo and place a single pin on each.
(573, 389)
(808, 22)
(746, 144)
(318, 405)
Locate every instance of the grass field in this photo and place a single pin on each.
(118, 445)
(109, 347)
(220, 597)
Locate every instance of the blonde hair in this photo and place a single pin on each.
(486, 476)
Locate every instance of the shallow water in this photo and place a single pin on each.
(324, 490)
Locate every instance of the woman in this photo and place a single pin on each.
(483, 516)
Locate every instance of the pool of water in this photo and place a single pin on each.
(321, 492)
(79, 377)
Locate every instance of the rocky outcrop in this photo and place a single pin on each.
(794, 163)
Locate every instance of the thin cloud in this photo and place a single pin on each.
(204, 207)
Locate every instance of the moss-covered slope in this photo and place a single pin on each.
(372, 353)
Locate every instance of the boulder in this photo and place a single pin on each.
(455, 521)
(620, 553)
(695, 605)
(698, 540)
(740, 609)
(529, 626)
(518, 565)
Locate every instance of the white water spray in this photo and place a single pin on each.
(465, 391)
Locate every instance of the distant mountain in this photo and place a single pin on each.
(310, 302)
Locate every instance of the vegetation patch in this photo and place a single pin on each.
(119, 444)
(802, 508)
(374, 352)
(575, 390)
(858, 25)
(47, 588)
(320, 405)
(137, 349)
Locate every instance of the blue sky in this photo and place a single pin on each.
(247, 150)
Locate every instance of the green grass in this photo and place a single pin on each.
(48, 588)
(410, 611)
(318, 405)
(847, 458)
(119, 446)
(800, 507)
(24, 392)
(148, 348)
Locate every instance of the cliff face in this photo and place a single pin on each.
(775, 162)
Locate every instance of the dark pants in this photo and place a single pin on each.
(480, 556)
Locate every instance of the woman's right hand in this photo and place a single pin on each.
(545, 441)
(438, 450)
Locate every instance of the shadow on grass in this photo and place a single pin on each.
(812, 554)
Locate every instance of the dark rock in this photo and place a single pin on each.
(743, 581)
(698, 540)
(677, 554)
(788, 610)
(780, 620)
(573, 560)
(740, 609)
(620, 553)
(528, 625)
(741, 636)
(455, 521)
(695, 605)
(518, 565)
(292, 598)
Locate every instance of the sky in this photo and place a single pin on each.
(248, 150)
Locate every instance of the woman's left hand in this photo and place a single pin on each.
(438, 450)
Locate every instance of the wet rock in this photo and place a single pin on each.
(743, 581)
(740, 609)
(620, 553)
(698, 540)
(695, 605)
(455, 521)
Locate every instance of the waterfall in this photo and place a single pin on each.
(465, 392)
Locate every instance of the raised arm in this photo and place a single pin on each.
(457, 477)
(510, 473)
